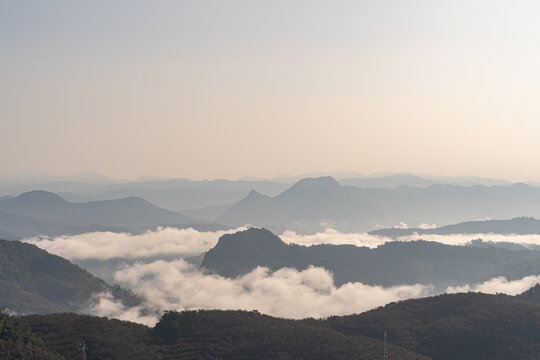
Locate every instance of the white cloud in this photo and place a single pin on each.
(285, 293)
(498, 285)
(334, 237)
(108, 245)
(463, 239)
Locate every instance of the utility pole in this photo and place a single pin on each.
(83, 350)
(385, 351)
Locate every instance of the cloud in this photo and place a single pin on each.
(498, 285)
(334, 237)
(285, 293)
(464, 239)
(109, 245)
(182, 243)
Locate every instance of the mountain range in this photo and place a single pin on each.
(40, 212)
(515, 226)
(393, 263)
(311, 205)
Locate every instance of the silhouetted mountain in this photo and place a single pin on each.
(203, 335)
(395, 180)
(389, 264)
(389, 181)
(451, 327)
(179, 194)
(34, 281)
(16, 227)
(129, 213)
(314, 204)
(519, 226)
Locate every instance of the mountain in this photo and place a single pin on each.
(454, 327)
(180, 194)
(16, 227)
(34, 281)
(312, 205)
(389, 181)
(203, 335)
(518, 226)
(390, 264)
(130, 213)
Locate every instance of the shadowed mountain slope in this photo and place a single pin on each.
(204, 335)
(34, 281)
(451, 327)
(389, 264)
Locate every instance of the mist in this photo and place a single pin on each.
(156, 267)
(498, 285)
(287, 293)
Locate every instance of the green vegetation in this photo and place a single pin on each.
(18, 342)
(34, 281)
(459, 326)
(203, 335)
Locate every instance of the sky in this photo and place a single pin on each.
(226, 89)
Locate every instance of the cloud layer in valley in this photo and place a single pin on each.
(189, 242)
(151, 265)
(285, 293)
(498, 285)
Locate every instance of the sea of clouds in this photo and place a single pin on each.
(154, 266)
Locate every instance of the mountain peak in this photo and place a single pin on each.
(323, 182)
(39, 195)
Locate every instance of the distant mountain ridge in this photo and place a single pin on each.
(393, 263)
(41, 212)
(311, 205)
(518, 226)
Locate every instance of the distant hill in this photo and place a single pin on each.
(395, 180)
(311, 205)
(470, 326)
(47, 211)
(34, 281)
(179, 194)
(389, 264)
(519, 226)
(204, 335)
(16, 227)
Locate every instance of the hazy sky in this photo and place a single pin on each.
(206, 89)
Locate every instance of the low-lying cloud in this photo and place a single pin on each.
(334, 237)
(182, 243)
(109, 245)
(498, 285)
(287, 293)
(151, 265)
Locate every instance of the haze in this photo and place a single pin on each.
(211, 89)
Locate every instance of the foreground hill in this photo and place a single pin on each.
(46, 213)
(451, 327)
(18, 342)
(389, 264)
(203, 335)
(312, 204)
(34, 281)
(519, 226)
